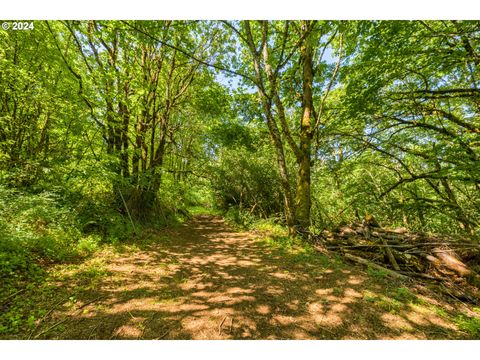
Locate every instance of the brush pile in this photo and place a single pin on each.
(402, 254)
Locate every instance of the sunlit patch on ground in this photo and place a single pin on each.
(210, 282)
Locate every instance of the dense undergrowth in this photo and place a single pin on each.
(84, 135)
(41, 244)
(41, 228)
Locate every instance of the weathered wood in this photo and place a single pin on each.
(451, 262)
(389, 253)
(347, 231)
(403, 250)
(444, 259)
(387, 235)
(375, 266)
(400, 230)
(421, 275)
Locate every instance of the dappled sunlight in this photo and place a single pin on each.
(274, 290)
(263, 309)
(396, 322)
(438, 321)
(350, 295)
(327, 318)
(283, 276)
(355, 280)
(322, 292)
(282, 320)
(416, 318)
(213, 283)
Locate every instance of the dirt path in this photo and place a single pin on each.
(206, 281)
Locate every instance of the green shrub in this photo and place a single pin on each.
(37, 228)
(89, 244)
(376, 272)
(403, 294)
(271, 227)
(471, 325)
(237, 217)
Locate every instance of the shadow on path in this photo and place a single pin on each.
(206, 281)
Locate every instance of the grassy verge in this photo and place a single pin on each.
(42, 231)
(396, 300)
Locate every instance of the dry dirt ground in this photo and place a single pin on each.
(204, 280)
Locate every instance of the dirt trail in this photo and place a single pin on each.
(206, 281)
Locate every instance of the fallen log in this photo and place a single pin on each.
(421, 275)
(409, 261)
(445, 259)
(390, 256)
(408, 253)
(393, 237)
(375, 266)
(449, 261)
(400, 230)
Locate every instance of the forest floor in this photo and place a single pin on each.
(204, 280)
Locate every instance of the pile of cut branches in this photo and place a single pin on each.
(402, 254)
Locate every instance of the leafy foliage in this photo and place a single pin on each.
(110, 127)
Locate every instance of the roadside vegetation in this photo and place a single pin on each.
(338, 145)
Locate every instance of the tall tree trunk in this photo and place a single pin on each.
(136, 164)
(123, 110)
(289, 207)
(303, 197)
(157, 163)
